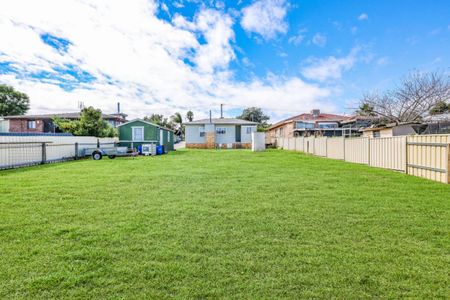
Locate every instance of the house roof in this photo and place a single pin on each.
(147, 122)
(438, 117)
(357, 118)
(72, 115)
(222, 121)
(391, 125)
(311, 118)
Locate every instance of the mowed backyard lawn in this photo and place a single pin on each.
(222, 224)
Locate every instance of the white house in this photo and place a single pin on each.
(226, 133)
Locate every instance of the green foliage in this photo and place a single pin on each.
(190, 116)
(90, 124)
(13, 102)
(255, 114)
(222, 224)
(177, 123)
(365, 109)
(159, 120)
(440, 108)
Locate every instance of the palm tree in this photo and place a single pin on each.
(177, 119)
(190, 116)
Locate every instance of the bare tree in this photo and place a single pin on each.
(412, 99)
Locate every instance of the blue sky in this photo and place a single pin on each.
(165, 56)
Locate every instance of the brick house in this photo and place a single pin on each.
(44, 123)
(307, 124)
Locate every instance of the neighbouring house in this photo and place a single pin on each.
(212, 133)
(353, 126)
(44, 123)
(307, 124)
(438, 124)
(134, 133)
(394, 129)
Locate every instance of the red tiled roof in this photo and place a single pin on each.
(310, 117)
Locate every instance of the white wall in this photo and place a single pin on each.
(4, 125)
(247, 138)
(192, 134)
(258, 141)
(228, 137)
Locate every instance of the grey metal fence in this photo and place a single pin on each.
(22, 154)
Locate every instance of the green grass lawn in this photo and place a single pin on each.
(222, 224)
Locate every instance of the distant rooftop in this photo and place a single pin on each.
(223, 121)
(73, 115)
(314, 116)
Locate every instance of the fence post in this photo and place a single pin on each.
(407, 154)
(447, 165)
(343, 148)
(44, 153)
(76, 151)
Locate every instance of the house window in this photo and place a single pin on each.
(31, 124)
(304, 125)
(248, 130)
(376, 134)
(281, 131)
(138, 134)
(168, 136)
(221, 130)
(201, 131)
(328, 125)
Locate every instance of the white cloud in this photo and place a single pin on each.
(319, 40)
(296, 39)
(383, 61)
(217, 31)
(265, 17)
(149, 65)
(363, 17)
(330, 67)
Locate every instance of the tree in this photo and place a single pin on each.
(255, 114)
(177, 121)
(440, 108)
(190, 116)
(91, 123)
(365, 109)
(13, 102)
(412, 99)
(159, 120)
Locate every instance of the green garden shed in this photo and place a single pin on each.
(137, 132)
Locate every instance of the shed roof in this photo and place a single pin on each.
(391, 125)
(147, 122)
(222, 121)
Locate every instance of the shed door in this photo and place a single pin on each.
(138, 134)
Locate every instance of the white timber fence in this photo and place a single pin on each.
(426, 156)
(21, 151)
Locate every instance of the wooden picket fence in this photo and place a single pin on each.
(426, 156)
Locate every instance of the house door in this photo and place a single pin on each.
(238, 133)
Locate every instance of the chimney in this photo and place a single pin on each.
(315, 113)
(221, 111)
(118, 108)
